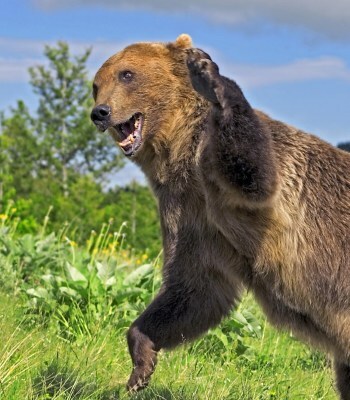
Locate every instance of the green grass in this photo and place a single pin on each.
(64, 312)
(37, 364)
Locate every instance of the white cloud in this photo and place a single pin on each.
(35, 48)
(12, 70)
(321, 16)
(21, 46)
(300, 70)
(20, 54)
(26, 53)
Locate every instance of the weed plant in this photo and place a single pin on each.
(64, 312)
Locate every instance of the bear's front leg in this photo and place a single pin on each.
(342, 375)
(144, 359)
(183, 310)
(241, 146)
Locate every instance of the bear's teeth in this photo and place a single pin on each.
(131, 138)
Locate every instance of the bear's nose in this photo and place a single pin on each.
(100, 115)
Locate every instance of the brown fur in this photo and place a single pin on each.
(244, 201)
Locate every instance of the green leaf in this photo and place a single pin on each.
(240, 318)
(39, 292)
(138, 274)
(47, 278)
(104, 271)
(68, 291)
(221, 336)
(111, 281)
(74, 274)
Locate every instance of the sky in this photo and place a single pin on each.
(291, 59)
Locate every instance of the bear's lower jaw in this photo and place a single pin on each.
(130, 133)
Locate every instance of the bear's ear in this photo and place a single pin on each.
(178, 53)
(183, 41)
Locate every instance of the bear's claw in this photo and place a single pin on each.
(137, 381)
(204, 74)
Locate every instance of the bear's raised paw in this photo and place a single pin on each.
(204, 74)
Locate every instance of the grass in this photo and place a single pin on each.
(64, 312)
(36, 364)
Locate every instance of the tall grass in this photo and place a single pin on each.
(64, 311)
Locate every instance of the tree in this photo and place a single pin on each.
(344, 146)
(135, 205)
(71, 143)
(19, 154)
(56, 158)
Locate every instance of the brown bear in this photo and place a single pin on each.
(245, 201)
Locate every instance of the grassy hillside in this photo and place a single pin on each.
(64, 311)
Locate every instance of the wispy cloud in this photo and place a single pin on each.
(35, 48)
(20, 54)
(23, 54)
(15, 70)
(25, 47)
(320, 16)
(297, 71)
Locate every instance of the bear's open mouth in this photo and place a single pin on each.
(130, 132)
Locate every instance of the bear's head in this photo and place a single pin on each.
(139, 91)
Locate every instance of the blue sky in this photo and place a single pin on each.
(291, 60)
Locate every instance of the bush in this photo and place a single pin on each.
(75, 291)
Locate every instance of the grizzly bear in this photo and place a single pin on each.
(245, 201)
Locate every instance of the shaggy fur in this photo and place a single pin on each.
(245, 202)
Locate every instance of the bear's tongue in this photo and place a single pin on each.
(128, 127)
(127, 130)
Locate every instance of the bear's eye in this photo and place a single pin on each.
(126, 76)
